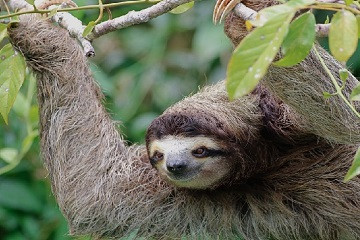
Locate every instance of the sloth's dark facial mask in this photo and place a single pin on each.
(190, 162)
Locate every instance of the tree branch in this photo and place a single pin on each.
(338, 1)
(331, 1)
(135, 17)
(64, 19)
(75, 28)
(246, 13)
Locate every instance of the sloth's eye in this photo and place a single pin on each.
(200, 152)
(158, 156)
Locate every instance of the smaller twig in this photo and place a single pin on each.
(331, 1)
(101, 8)
(135, 17)
(244, 12)
(6, 6)
(109, 13)
(64, 19)
(29, 9)
(75, 28)
(336, 85)
(339, 1)
(334, 7)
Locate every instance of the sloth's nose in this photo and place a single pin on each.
(176, 168)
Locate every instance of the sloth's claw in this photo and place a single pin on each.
(222, 8)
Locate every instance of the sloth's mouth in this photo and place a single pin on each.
(196, 177)
(183, 178)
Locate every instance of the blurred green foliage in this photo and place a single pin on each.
(142, 71)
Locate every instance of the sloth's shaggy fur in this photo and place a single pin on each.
(288, 185)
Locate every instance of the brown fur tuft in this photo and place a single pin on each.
(235, 27)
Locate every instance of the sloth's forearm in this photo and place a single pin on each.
(302, 88)
(95, 177)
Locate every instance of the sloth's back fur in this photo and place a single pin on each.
(106, 188)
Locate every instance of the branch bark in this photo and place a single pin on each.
(246, 13)
(135, 17)
(75, 27)
(64, 19)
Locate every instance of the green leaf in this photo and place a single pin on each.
(355, 167)
(344, 74)
(3, 31)
(32, 2)
(299, 41)
(182, 8)
(254, 54)
(327, 95)
(52, 13)
(27, 142)
(12, 75)
(355, 94)
(6, 52)
(88, 29)
(21, 106)
(356, 3)
(343, 35)
(34, 115)
(358, 24)
(348, 2)
(8, 154)
(327, 19)
(289, 7)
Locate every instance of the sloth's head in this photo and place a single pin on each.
(192, 162)
(191, 151)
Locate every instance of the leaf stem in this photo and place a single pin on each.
(25, 148)
(6, 6)
(336, 85)
(101, 8)
(109, 5)
(9, 167)
(333, 7)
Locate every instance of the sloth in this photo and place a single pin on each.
(268, 165)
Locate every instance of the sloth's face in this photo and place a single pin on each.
(191, 162)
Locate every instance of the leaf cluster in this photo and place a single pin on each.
(277, 34)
